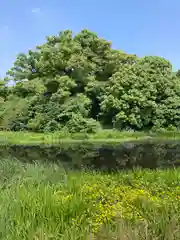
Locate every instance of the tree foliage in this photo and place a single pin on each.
(81, 84)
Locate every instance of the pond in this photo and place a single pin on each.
(109, 157)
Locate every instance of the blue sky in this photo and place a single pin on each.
(135, 26)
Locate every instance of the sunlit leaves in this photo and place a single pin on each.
(78, 82)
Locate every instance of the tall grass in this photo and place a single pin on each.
(45, 202)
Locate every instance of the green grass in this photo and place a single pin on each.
(105, 136)
(44, 202)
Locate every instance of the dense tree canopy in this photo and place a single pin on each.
(80, 83)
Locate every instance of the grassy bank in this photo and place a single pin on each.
(105, 136)
(45, 202)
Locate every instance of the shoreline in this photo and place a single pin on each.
(104, 137)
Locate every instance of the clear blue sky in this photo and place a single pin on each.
(143, 27)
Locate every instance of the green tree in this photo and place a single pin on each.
(178, 73)
(142, 96)
(80, 83)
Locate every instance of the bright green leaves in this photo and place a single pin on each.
(25, 66)
(156, 64)
(139, 98)
(79, 83)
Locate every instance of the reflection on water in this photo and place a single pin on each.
(104, 157)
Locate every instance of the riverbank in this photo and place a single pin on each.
(110, 136)
(42, 201)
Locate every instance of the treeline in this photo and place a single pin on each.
(81, 84)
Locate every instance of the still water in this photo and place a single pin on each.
(100, 156)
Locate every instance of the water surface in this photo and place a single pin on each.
(146, 154)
